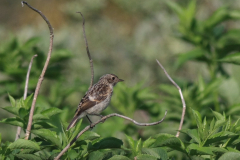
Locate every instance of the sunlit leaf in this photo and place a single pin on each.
(232, 58)
(12, 100)
(13, 110)
(48, 135)
(191, 55)
(28, 156)
(145, 156)
(119, 157)
(51, 111)
(13, 121)
(230, 155)
(217, 17)
(198, 118)
(24, 144)
(156, 152)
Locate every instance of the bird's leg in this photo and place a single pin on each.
(90, 122)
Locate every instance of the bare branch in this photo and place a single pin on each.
(88, 52)
(29, 126)
(25, 92)
(27, 77)
(102, 120)
(181, 95)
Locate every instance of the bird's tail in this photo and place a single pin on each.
(73, 122)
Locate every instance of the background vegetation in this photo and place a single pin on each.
(196, 41)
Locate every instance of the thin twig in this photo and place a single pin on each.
(181, 95)
(102, 120)
(29, 126)
(25, 92)
(88, 52)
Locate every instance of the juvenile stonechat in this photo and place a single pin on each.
(96, 98)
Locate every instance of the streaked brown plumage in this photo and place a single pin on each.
(96, 99)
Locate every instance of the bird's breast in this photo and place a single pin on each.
(98, 108)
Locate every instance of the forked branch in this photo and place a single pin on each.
(29, 126)
(102, 120)
(88, 52)
(25, 92)
(181, 95)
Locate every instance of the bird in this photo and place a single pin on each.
(96, 98)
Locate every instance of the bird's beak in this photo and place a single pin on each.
(120, 80)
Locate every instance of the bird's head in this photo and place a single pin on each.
(111, 79)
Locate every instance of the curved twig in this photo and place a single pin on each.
(88, 52)
(29, 126)
(102, 120)
(25, 92)
(181, 95)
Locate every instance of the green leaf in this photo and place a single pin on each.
(197, 158)
(230, 156)
(51, 111)
(220, 136)
(119, 157)
(96, 155)
(228, 124)
(160, 138)
(156, 152)
(23, 113)
(30, 43)
(163, 136)
(198, 118)
(219, 124)
(228, 43)
(217, 17)
(13, 110)
(145, 157)
(13, 121)
(60, 55)
(12, 100)
(48, 135)
(175, 7)
(171, 142)
(232, 58)
(0, 138)
(193, 133)
(131, 142)
(27, 104)
(218, 116)
(234, 14)
(89, 135)
(197, 150)
(39, 117)
(24, 144)
(39, 125)
(212, 124)
(139, 146)
(147, 143)
(28, 151)
(28, 156)
(189, 13)
(109, 142)
(75, 130)
(191, 55)
(45, 154)
(72, 154)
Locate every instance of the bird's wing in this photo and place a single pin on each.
(97, 94)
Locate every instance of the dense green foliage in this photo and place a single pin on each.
(211, 128)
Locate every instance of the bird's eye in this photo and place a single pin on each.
(113, 78)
